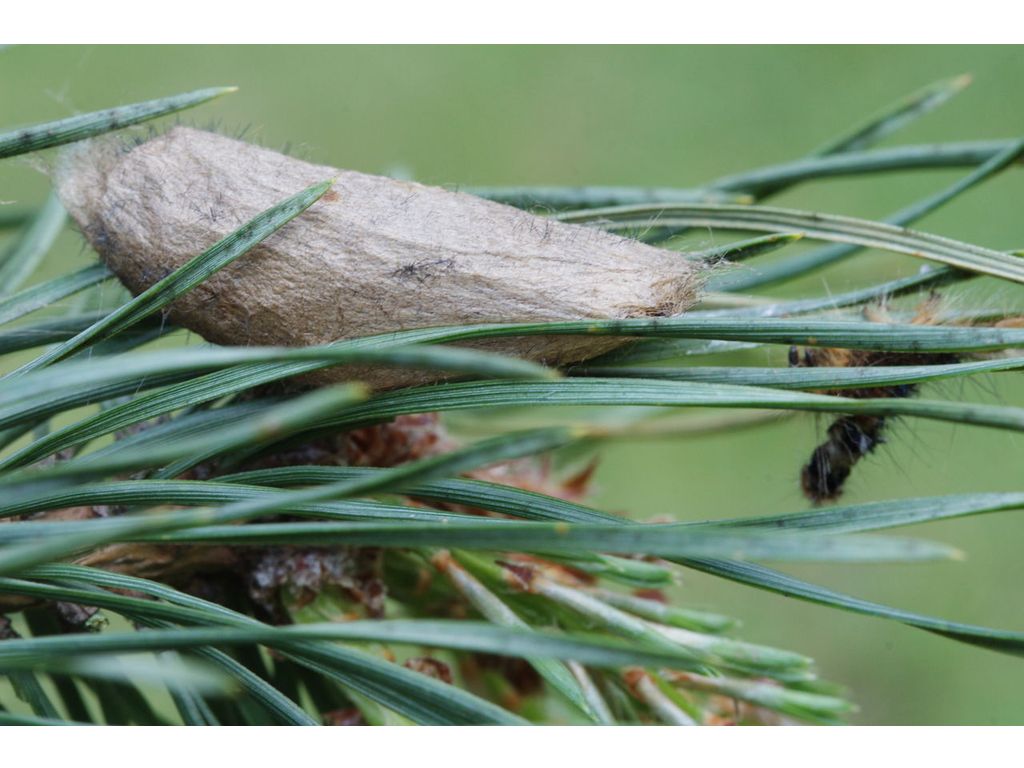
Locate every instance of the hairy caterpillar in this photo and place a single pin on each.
(852, 437)
(374, 255)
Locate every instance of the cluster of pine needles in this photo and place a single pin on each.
(183, 542)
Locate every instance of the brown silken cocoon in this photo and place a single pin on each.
(373, 255)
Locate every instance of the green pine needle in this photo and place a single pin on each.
(200, 449)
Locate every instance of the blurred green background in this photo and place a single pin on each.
(674, 117)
